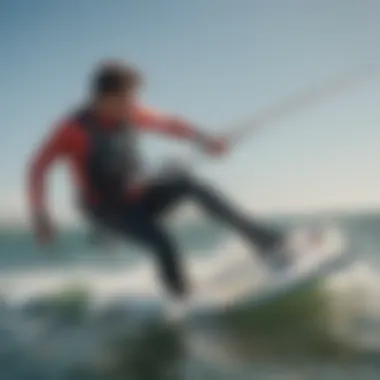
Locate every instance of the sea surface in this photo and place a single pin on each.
(83, 311)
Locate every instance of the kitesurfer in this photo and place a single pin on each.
(98, 141)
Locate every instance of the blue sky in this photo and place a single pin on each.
(214, 62)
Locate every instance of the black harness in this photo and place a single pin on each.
(112, 162)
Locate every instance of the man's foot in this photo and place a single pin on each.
(178, 311)
(278, 256)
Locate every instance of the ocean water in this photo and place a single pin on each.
(78, 311)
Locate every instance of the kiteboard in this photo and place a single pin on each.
(314, 254)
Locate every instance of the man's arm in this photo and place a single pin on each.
(50, 150)
(153, 121)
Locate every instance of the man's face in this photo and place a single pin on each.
(117, 106)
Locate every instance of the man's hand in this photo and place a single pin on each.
(216, 146)
(136, 190)
(43, 229)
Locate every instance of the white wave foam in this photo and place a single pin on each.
(353, 292)
(140, 280)
(355, 310)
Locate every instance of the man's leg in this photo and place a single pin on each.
(136, 224)
(165, 194)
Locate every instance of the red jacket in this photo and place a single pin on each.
(69, 142)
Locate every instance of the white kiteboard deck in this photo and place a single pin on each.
(315, 254)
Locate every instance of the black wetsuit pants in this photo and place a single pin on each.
(140, 221)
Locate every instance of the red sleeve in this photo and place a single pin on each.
(54, 147)
(152, 121)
